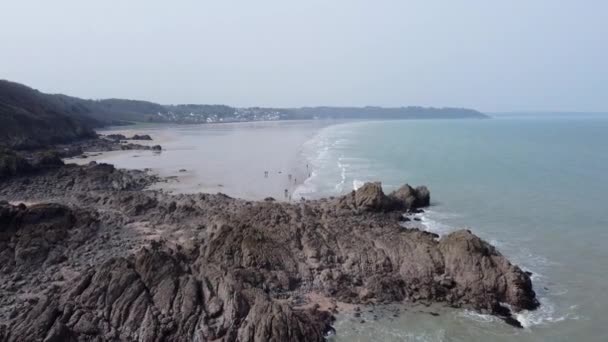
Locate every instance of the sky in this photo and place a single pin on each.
(516, 55)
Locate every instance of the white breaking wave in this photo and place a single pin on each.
(307, 188)
(434, 225)
(477, 317)
(340, 186)
(545, 314)
(357, 184)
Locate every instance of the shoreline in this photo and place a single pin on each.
(242, 176)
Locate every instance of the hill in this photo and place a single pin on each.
(31, 119)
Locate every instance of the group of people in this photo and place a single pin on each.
(290, 178)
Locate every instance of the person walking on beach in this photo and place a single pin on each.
(286, 193)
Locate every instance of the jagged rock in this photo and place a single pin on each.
(409, 199)
(405, 196)
(467, 261)
(55, 181)
(224, 268)
(99, 145)
(370, 197)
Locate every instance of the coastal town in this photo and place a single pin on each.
(212, 114)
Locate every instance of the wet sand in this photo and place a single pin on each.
(230, 158)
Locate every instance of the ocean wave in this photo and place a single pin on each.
(357, 184)
(431, 223)
(546, 314)
(375, 331)
(477, 317)
(342, 166)
(307, 188)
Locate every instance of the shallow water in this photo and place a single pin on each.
(230, 158)
(533, 186)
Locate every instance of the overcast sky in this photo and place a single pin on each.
(489, 55)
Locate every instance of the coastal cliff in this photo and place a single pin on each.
(97, 257)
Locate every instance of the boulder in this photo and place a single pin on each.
(116, 137)
(480, 272)
(409, 199)
(370, 197)
(141, 137)
(423, 197)
(404, 197)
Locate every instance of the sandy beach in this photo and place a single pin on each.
(251, 160)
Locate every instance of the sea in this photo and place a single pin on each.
(535, 186)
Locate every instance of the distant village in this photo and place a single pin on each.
(196, 113)
(224, 115)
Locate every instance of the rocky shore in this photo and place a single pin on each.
(104, 143)
(93, 256)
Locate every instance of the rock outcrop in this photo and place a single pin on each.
(120, 137)
(14, 164)
(101, 145)
(141, 137)
(371, 197)
(44, 182)
(209, 267)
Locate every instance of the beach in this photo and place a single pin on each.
(253, 160)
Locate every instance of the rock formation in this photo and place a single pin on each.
(141, 137)
(150, 266)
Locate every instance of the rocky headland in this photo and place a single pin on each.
(88, 254)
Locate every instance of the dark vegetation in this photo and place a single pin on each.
(31, 119)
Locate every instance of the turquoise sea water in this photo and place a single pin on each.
(535, 187)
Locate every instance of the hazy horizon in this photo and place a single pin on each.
(518, 56)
